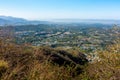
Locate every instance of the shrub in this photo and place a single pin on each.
(107, 67)
(3, 67)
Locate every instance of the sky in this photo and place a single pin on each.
(61, 9)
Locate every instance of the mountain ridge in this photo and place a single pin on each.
(9, 20)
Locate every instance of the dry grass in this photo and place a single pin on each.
(107, 67)
(3, 67)
(29, 63)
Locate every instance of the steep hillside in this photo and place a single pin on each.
(106, 66)
(25, 62)
(18, 62)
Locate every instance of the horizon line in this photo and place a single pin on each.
(62, 18)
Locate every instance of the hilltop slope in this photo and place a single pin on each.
(21, 62)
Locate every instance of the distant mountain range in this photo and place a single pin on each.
(8, 20)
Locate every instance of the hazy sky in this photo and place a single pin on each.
(61, 9)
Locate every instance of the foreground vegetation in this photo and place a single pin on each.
(25, 62)
(107, 67)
